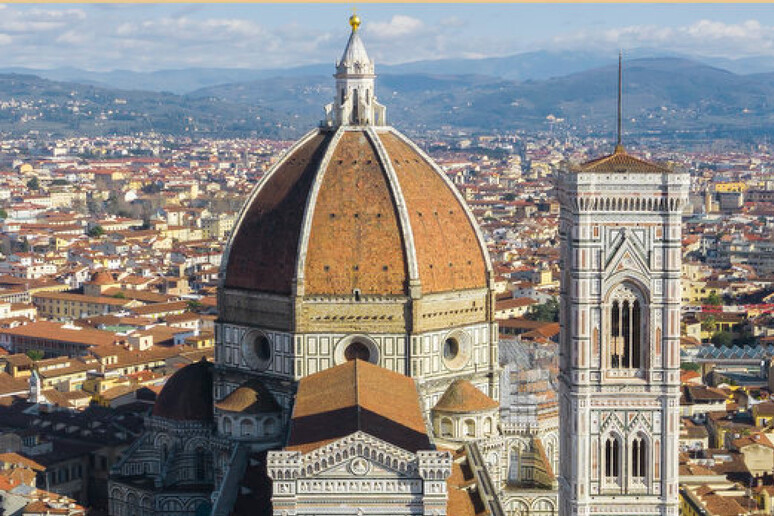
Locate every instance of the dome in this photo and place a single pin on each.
(462, 397)
(356, 208)
(251, 397)
(102, 278)
(187, 395)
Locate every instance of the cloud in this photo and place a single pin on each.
(703, 37)
(5, 39)
(399, 25)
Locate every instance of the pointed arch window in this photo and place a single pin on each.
(639, 457)
(626, 329)
(612, 458)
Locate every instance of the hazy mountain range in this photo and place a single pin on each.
(664, 96)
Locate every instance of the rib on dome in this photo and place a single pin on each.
(354, 206)
(356, 209)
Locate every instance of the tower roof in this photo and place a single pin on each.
(621, 161)
(355, 59)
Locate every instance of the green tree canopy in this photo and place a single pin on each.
(96, 231)
(723, 339)
(548, 311)
(35, 354)
(33, 184)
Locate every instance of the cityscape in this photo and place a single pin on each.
(530, 282)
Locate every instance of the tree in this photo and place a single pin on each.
(690, 366)
(119, 295)
(713, 299)
(194, 306)
(3, 214)
(96, 231)
(548, 311)
(723, 339)
(709, 324)
(35, 354)
(60, 182)
(33, 184)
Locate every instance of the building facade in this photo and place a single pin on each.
(620, 229)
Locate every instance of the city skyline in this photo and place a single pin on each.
(147, 37)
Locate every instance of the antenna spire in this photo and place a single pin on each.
(619, 145)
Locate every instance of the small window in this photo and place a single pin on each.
(357, 350)
(451, 348)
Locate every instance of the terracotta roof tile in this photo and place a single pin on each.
(251, 397)
(621, 161)
(357, 396)
(463, 396)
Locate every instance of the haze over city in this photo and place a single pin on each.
(409, 260)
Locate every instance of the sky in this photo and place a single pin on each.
(146, 37)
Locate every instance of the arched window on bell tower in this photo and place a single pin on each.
(627, 329)
(612, 459)
(639, 458)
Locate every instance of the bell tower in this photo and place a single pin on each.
(620, 230)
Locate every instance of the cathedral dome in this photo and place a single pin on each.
(187, 395)
(355, 208)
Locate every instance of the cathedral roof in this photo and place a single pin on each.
(622, 161)
(356, 208)
(187, 395)
(252, 397)
(463, 396)
(357, 396)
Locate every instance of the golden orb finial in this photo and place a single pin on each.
(354, 21)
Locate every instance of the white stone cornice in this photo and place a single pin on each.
(249, 202)
(309, 209)
(403, 215)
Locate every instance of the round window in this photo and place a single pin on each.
(360, 347)
(262, 347)
(456, 350)
(257, 349)
(357, 350)
(451, 348)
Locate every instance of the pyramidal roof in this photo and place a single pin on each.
(621, 161)
(463, 396)
(354, 54)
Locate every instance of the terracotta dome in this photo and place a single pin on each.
(462, 396)
(102, 278)
(251, 397)
(187, 395)
(355, 208)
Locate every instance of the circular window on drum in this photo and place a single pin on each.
(455, 350)
(356, 347)
(257, 349)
